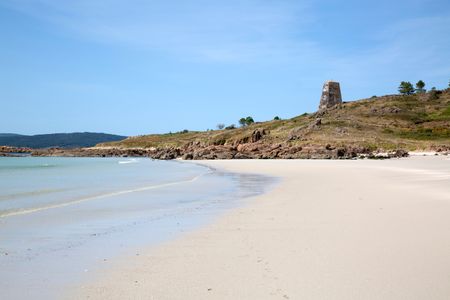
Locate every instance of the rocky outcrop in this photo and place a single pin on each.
(331, 95)
(257, 135)
(256, 150)
(14, 151)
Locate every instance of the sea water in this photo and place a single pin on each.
(61, 218)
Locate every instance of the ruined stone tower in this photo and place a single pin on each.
(331, 95)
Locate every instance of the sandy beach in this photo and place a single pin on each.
(359, 229)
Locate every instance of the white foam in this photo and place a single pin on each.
(131, 161)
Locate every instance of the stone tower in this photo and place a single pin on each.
(331, 95)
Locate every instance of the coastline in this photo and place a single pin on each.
(331, 229)
(97, 210)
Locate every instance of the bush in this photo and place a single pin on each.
(277, 118)
(434, 94)
(220, 126)
(232, 126)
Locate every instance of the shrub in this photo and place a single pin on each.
(220, 126)
(434, 94)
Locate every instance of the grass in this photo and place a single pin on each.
(384, 122)
(426, 134)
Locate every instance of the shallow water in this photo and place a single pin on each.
(61, 217)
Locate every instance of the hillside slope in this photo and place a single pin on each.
(413, 122)
(62, 140)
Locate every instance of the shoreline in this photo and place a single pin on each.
(81, 224)
(216, 152)
(254, 150)
(330, 229)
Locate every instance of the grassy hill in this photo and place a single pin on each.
(411, 122)
(63, 140)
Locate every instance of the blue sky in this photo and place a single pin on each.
(136, 67)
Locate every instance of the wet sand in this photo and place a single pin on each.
(329, 230)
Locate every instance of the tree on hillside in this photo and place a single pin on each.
(420, 86)
(277, 118)
(246, 121)
(406, 88)
(220, 126)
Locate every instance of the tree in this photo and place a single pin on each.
(220, 126)
(406, 88)
(246, 121)
(277, 118)
(232, 126)
(420, 86)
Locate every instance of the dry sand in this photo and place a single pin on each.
(330, 230)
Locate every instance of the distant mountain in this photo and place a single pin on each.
(62, 140)
(8, 134)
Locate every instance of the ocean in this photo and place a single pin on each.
(63, 218)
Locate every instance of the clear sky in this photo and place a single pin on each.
(141, 66)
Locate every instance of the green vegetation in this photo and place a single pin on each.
(220, 126)
(277, 118)
(406, 88)
(426, 134)
(434, 94)
(246, 121)
(416, 121)
(420, 87)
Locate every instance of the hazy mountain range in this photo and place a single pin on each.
(63, 140)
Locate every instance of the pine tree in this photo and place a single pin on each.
(420, 86)
(406, 88)
(249, 120)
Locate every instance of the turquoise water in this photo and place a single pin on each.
(61, 218)
(28, 184)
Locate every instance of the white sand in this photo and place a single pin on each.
(329, 230)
